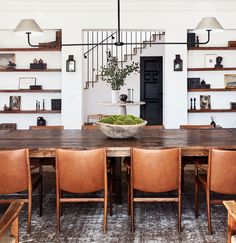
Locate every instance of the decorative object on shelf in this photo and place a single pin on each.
(193, 83)
(191, 103)
(36, 87)
(230, 80)
(210, 60)
(121, 126)
(203, 85)
(6, 108)
(70, 64)
(205, 102)
(8, 126)
(113, 74)
(194, 103)
(233, 105)
(43, 104)
(11, 65)
(114, 96)
(123, 97)
(231, 43)
(203, 82)
(38, 64)
(53, 44)
(213, 124)
(55, 104)
(15, 102)
(219, 60)
(6, 59)
(41, 121)
(197, 41)
(191, 40)
(26, 82)
(37, 105)
(178, 63)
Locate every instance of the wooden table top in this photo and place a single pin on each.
(43, 143)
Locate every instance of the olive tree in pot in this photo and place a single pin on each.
(115, 75)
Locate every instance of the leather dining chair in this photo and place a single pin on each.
(10, 220)
(231, 231)
(15, 176)
(219, 177)
(81, 171)
(195, 126)
(155, 171)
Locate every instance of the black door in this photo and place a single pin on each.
(151, 83)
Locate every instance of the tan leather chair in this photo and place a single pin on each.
(37, 163)
(195, 126)
(219, 176)
(11, 220)
(155, 171)
(15, 176)
(231, 232)
(82, 171)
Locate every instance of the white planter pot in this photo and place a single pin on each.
(114, 96)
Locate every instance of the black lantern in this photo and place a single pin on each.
(70, 64)
(178, 63)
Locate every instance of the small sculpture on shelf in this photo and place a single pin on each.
(194, 103)
(123, 97)
(38, 64)
(218, 64)
(11, 65)
(191, 103)
(213, 124)
(6, 108)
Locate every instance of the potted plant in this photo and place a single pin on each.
(115, 75)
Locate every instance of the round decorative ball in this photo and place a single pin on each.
(123, 97)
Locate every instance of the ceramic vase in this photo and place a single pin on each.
(114, 96)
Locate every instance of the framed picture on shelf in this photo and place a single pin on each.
(205, 102)
(15, 102)
(210, 60)
(7, 60)
(25, 82)
(230, 81)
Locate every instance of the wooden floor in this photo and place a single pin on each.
(154, 222)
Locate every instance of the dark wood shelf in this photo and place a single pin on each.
(211, 48)
(31, 70)
(31, 111)
(212, 69)
(30, 49)
(30, 91)
(211, 110)
(212, 90)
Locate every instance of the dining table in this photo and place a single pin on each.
(43, 143)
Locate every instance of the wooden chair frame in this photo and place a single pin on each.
(11, 220)
(60, 199)
(231, 229)
(134, 199)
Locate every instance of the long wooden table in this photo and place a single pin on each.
(43, 143)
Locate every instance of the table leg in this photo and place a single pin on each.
(116, 179)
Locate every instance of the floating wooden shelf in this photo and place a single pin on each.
(211, 69)
(30, 91)
(211, 110)
(211, 48)
(31, 70)
(31, 111)
(30, 49)
(212, 90)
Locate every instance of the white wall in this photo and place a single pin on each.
(72, 16)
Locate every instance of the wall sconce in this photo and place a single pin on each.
(178, 63)
(70, 64)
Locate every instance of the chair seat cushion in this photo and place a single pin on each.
(7, 239)
(233, 239)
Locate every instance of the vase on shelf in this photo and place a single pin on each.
(114, 96)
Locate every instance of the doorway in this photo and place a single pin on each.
(151, 89)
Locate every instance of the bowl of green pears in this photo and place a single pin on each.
(121, 126)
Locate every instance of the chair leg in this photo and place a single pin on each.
(41, 191)
(196, 198)
(179, 212)
(29, 212)
(208, 211)
(128, 190)
(132, 209)
(58, 213)
(111, 197)
(105, 215)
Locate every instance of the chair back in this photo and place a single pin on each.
(81, 171)
(156, 170)
(195, 127)
(158, 127)
(46, 127)
(14, 171)
(222, 171)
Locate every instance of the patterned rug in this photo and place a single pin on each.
(154, 222)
